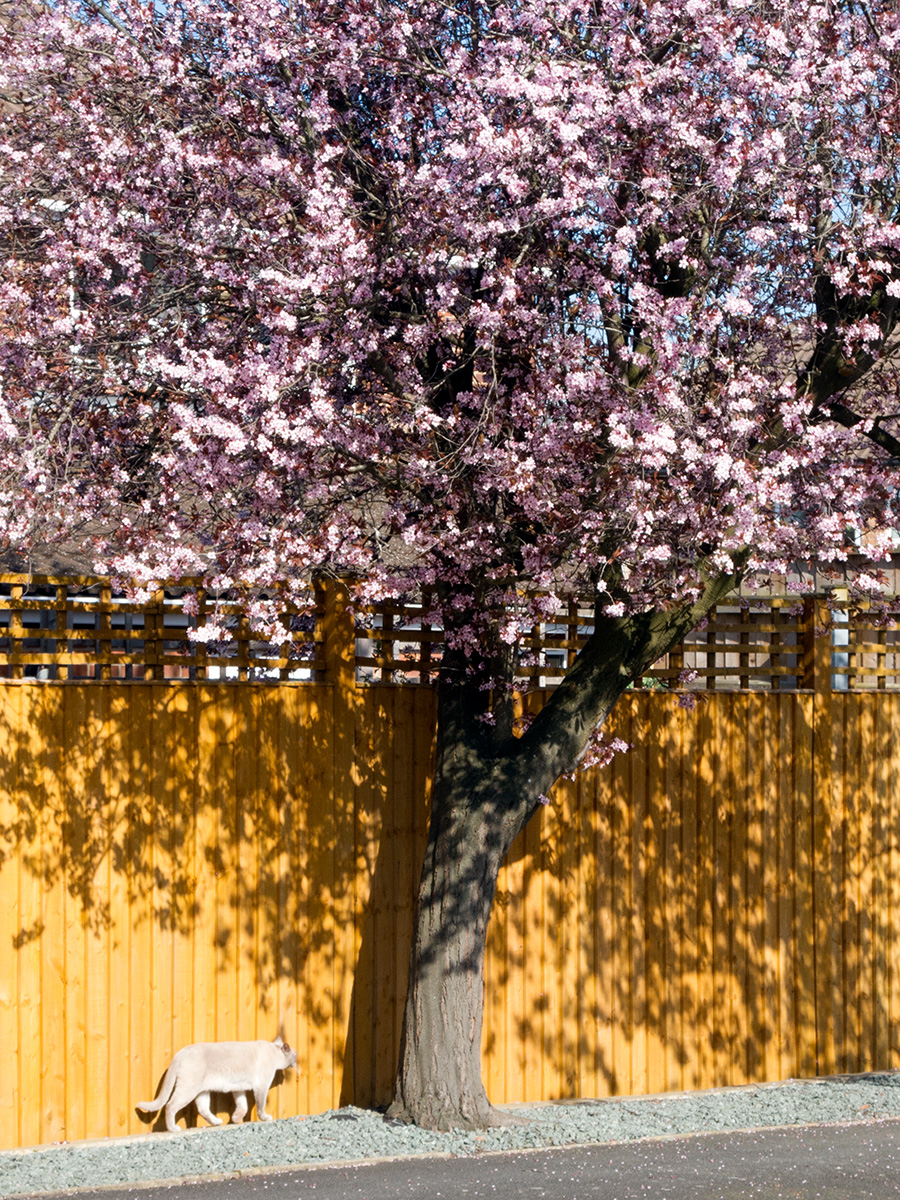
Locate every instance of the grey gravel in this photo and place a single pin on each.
(354, 1134)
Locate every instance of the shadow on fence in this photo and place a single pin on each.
(187, 862)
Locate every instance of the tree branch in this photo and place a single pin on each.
(618, 652)
(102, 11)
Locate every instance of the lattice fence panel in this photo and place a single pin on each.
(764, 645)
(866, 649)
(80, 628)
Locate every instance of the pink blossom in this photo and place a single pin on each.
(552, 300)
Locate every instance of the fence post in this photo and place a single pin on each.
(16, 632)
(154, 650)
(338, 634)
(104, 626)
(339, 656)
(815, 672)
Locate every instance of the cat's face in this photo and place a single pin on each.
(289, 1055)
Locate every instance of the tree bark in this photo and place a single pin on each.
(476, 812)
(439, 1084)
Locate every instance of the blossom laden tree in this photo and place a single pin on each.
(560, 297)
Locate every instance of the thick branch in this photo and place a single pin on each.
(875, 433)
(617, 653)
(830, 373)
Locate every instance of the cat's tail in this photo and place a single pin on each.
(165, 1091)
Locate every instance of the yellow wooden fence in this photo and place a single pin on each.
(192, 860)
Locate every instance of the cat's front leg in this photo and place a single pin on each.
(259, 1095)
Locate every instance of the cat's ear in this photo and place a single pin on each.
(278, 1041)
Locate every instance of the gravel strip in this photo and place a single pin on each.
(353, 1134)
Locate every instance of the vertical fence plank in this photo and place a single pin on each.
(76, 915)
(98, 931)
(317, 852)
(211, 813)
(250, 842)
(28, 928)
(226, 809)
(772, 904)
(46, 713)
(892, 867)
(721, 834)
(741, 788)
(706, 1016)
(825, 770)
(118, 789)
(675, 901)
(638, 760)
(590, 916)
(881, 915)
(532, 1011)
(784, 928)
(655, 823)
(550, 1015)
(867, 919)
(10, 1075)
(375, 728)
(346, 779)
(265, 970)
(599, 902)
(843, 991)
(151, 932)
(178, 736)
(568, 953)
(804, 787)
(294, 767)
(850, 879)
(584, 917)
(755, 896)
(398, 872)
(339, 646)
(692, 1025)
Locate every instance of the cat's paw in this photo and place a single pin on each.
(265, 1117)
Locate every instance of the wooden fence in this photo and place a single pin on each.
(191, 860)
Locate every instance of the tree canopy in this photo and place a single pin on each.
(567, 295)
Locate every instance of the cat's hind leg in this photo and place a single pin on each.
(240, 1107)
(181, 1097)
(202, 1102)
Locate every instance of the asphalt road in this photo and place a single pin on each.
(857, 1162)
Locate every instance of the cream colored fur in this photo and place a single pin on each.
(235, 1067)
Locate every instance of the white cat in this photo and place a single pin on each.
(236, 1067)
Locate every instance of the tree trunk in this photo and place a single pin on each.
(476, 812)
(439, 1083)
